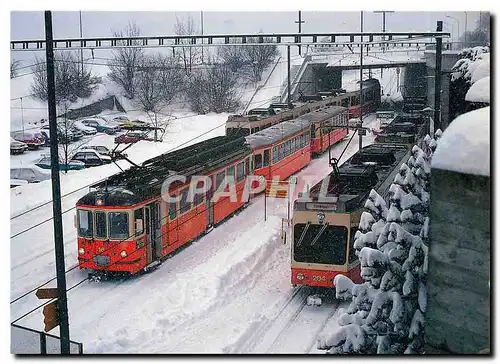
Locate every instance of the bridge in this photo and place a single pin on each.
(332, 59)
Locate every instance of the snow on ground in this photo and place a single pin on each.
(479, 91)
(201, 300)
(465, 144)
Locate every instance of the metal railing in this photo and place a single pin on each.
(26, 341)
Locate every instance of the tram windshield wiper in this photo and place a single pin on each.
(303, 234)
(323, 228)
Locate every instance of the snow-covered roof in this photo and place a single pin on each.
(465, 144)
(479, 91)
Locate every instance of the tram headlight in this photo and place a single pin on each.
(123, 254)
(300, 276)
(81, 251)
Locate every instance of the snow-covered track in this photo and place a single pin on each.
(301, 330)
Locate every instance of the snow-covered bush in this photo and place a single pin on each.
(386, 311)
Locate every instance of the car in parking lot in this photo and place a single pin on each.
(101, 125)
(17, 147)
(31, 174)
(63, 135)
(73, 165)
(87, 130)
(91, 158)
(33, 139)
(133, 137)
(103, 150)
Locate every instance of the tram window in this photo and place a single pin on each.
(139, 214)
(345, 102)
(100, 224)
(219, 178)
(185, 204)
(266, 157)
(198, 198)
(118, 225)
(172, 210)
(247, 166)
(292, 143)
(230, 174)
(275, 154)
(85, 228)
(258, 161)
(352, 254)
(329, 248)
(281, 151)
(240, 171)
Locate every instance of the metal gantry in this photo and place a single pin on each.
(204, 40)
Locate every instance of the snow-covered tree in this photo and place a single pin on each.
(386, 311)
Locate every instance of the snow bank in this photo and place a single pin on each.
(479, 91)
(465, 144)
(481, 70)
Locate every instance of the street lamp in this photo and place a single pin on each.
(458, 25)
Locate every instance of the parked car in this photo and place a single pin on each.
(133, 137)
(101, 125)
(62, 138)
(101, 149)
(73, 165)
(17, 147)
(91, 158)
(87, 130)
(120, 119)
(33, 140)
(63, 135)
(17, 182)
(31, 174)
(77, 134)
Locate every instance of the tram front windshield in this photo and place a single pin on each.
(319, 244)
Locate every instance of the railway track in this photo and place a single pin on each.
(294, 327)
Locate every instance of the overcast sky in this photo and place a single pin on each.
(30, 24)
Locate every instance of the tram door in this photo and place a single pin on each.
(153, 232)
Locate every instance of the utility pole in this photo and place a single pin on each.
(289, 82)
(300, 22)
(56, 190)
(437, 79)
(361, 87)
(202, 37)
(81, 36)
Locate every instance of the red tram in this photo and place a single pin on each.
(125, 225)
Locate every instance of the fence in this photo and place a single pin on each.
(26, 341)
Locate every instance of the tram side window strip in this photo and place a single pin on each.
(240, 171)
(230, 174)
(258, 161)
(266, 157)
(185, 205)
(85, 228)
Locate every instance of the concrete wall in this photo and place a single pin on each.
(458, 297)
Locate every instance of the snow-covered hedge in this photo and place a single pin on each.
(386, 311)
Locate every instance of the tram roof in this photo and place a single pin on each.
(286, 129)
